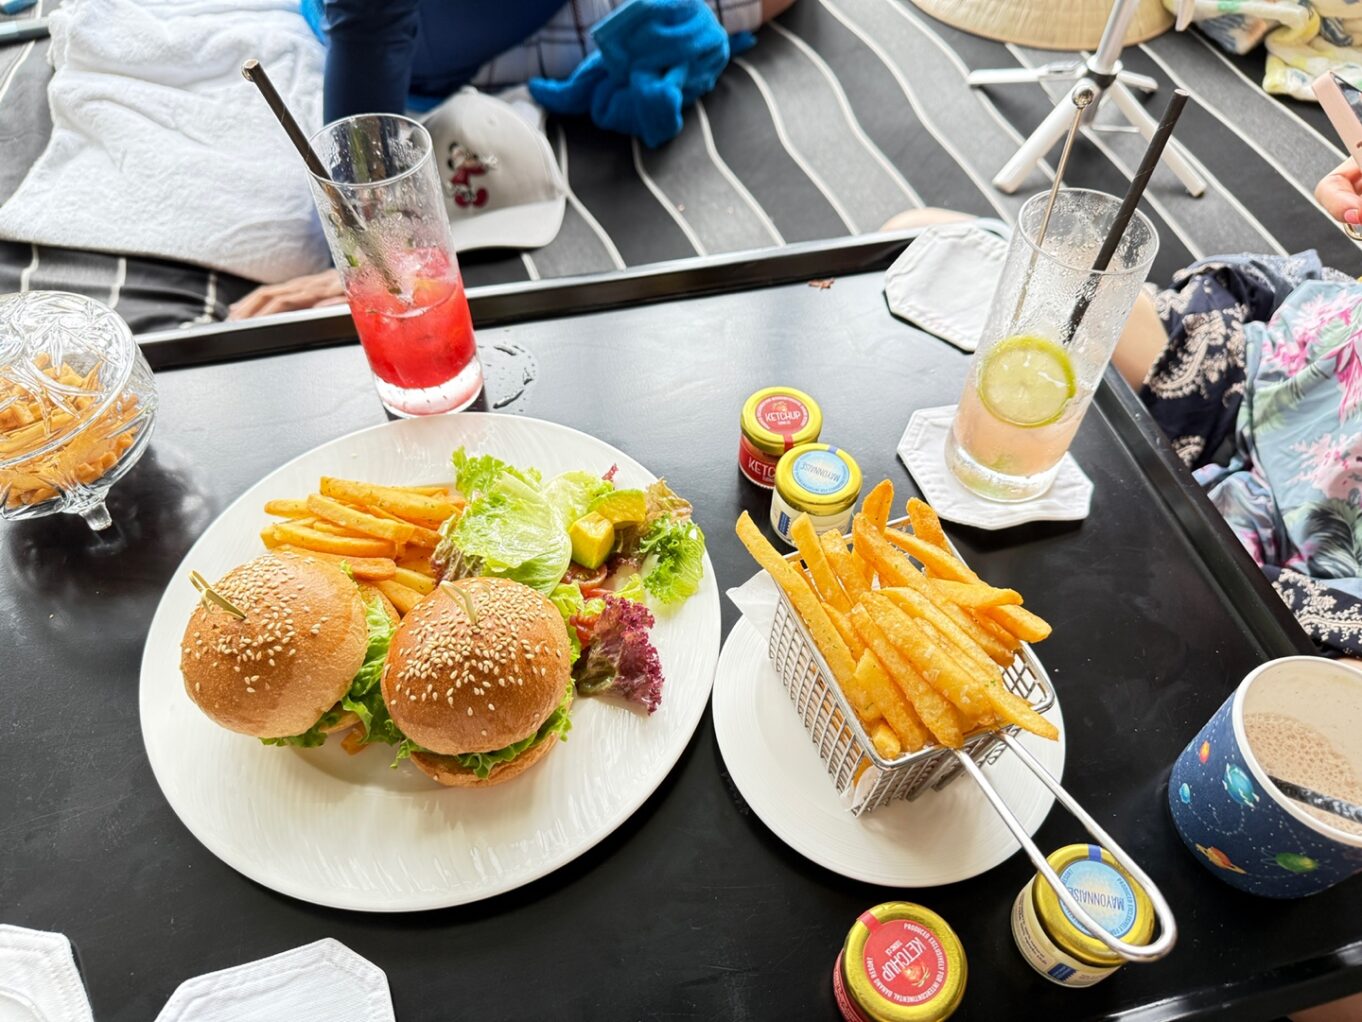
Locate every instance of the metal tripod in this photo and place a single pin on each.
(1103, 71)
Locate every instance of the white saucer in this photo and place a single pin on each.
(942, 837)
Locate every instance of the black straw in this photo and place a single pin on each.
(254, 73)
(1319, 800)
(1133, 196)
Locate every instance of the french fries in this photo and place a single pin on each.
(829, 589)
(919, 647)
(926, 525)
(384, 535)
(422, 583)
(886, 742)
(919, 652)
(367, 569)
(347, 546)
(806, 605)
(358, 521)
(939, 716)
(889, 702)
(976, 595)
(403, 597)
(418, 508)
(942, 563)
(839, 559)
(34, 416)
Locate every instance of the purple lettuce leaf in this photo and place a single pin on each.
(620, 657)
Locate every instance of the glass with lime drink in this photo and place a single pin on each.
(1033, 374)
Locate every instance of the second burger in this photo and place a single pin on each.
(479, 679)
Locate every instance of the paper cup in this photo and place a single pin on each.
(1233, 819)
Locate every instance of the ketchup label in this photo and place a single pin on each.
(782, 414)
(905, 962)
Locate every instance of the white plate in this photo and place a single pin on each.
(351, 833)
(942, 837)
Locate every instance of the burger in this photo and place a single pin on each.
(479, 681)
(290, 650)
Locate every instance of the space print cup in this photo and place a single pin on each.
(1298, 719)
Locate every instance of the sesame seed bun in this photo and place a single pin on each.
(455, 686)
(276, 672)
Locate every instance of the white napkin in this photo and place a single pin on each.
(756, 599)
(923, 450)
(944, 281)
(39, 981)
(320, 982)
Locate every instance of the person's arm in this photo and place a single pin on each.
(1338, 190)
(371, 45)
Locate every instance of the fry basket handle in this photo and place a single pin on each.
(1168, 929)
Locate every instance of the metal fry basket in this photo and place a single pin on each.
(866, 781)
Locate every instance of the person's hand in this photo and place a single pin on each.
(1338, 192)
(298, 293)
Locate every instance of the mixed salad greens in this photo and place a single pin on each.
(604, 555)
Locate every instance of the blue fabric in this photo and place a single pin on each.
(315, 16)
(386, 56)
(653, 59)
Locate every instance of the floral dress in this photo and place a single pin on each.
(1288, 475)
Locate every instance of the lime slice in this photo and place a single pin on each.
(1027, 381)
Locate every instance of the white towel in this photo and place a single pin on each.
(159, 147)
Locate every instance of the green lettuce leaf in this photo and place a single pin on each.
(482, 763)
(559, 723)
(509, 529)
(567, 597)
(633, 589)
(572, 494)
(674, 559)
(479, 473)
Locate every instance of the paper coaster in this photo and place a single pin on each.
(923, 450)
(39, 981)
(320, 982)
(944, 281)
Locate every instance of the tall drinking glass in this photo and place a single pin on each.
(389, 234)
(1038, 362)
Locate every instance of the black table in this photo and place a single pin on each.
(692, 909)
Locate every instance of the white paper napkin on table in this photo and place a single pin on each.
(944, 281)
(756, 600)
(39, 981)
(923, 450)
(320, 982)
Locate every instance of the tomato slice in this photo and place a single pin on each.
(586, 578)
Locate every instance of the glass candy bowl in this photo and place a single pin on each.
(77, 402)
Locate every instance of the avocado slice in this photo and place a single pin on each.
(593, 537)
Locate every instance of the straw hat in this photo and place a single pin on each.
(1049, 24)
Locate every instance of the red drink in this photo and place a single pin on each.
(420, 342)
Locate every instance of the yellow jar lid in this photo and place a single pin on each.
(818, 478)
(903, 963)
(776, 419)
(1106, 891)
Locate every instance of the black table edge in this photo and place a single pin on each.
(1247, 589)
(504, 304)
(1274, 993)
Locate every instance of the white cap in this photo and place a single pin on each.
(502, 186)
